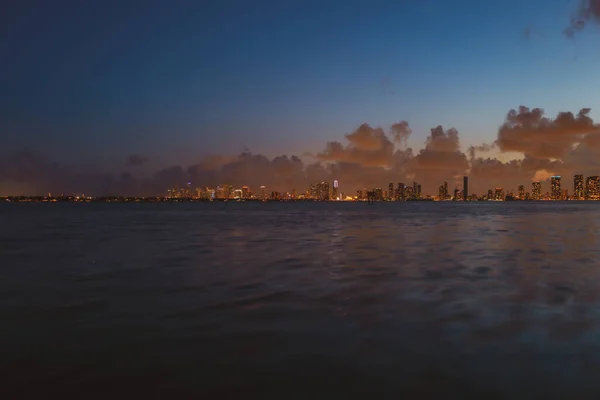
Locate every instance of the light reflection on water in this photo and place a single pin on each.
(492, 299)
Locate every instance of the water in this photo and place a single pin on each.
(241, 300)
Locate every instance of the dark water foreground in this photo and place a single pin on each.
(442, 300)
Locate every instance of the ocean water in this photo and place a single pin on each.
(284, 300)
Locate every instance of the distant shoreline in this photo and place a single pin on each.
(73, 199)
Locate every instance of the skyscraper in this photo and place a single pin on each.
(592, 188)
(536, 190)
(263, 192)
(555, 192)
(335, 191)
(578, 187)
(391, 191)
(521, 192)
(499, 194)
(400, 191)
(245, 192)
(465, 188)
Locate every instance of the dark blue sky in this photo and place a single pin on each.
(174, 81)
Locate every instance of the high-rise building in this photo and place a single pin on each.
(227, 191)
(400, 191)
(465, 188)
(578, 187)
(592, 188)
(521, 192)
(335, 190)
(499, 194)
(555, 192)
(536, 190)
(418, 196)
(408, 192)
(443, 191)
(263, 192)
(245, 192)
(455, 197)
(378, 194)
(391, 191)
(490, 194)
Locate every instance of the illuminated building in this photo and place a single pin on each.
(578, 187)
(536, 190)
(322, 192)
(441, 193)
(455, 197)
(391, 191)
(465, 188)
(245, 192)
(521, 192)
(220, 193)
(555, 191)
(490, 195)
(359, 194)
(263, 192)
(400, 192)
(415, 192)
(418, 196)
(227, 191)
(293, 193)
(335, 191)
(592, 188)
(408, 192)
(499, 194)
(378, 192)
(312, 191)
(188, 190)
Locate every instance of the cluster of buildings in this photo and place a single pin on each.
(583, 189)
(588, 189)
(323, 191)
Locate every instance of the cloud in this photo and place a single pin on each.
(440, 160)
(529, 132)
(366, 146)
(136, 160)
(587, 11)
(365, 158)
(400, 132)
(483, 148)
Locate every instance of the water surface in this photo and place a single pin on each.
(239, 300)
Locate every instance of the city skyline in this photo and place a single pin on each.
(148, 99)
(328, 191)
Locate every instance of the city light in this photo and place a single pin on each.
(583, 189)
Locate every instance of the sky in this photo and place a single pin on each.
(131, 95)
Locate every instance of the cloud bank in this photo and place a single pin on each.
(588, 12)
(367, 157)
